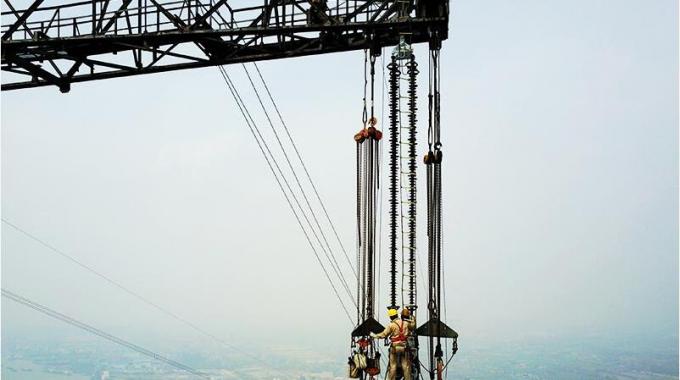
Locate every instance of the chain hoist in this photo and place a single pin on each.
(365, 358)
(435, 329)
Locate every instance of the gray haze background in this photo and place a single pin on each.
(561, 187)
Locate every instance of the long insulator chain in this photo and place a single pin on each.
(412, 71)
(394, 74)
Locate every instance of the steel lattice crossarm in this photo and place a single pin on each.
(47, 44)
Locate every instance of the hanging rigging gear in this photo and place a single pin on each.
(435, 329)
(404, 362)
(364, 361)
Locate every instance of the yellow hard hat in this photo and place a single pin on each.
(392, 313)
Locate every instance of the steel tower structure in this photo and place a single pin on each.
(85, 40)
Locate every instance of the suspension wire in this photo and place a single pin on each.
(262, 145)
(429, 160)
(433, 160)
(129, 291)
(65, 318)
(441, 237)
(373, 120)
(438, 190)
(364, 114)
(380, 160)
(304, 168)
(438, 199)
(329, 253)
(429, 104)
(281, 174)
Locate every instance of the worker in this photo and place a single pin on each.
(398, 330)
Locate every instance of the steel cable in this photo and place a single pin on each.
(285, 181)
(304, 168)
(83, 326)
(380, 160)
(128, 291)
(253, 128)
(329, 252)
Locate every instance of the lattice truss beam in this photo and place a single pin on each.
(47, 44)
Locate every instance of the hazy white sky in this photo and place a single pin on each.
(560, 199)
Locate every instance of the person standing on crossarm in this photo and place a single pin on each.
(398, 331)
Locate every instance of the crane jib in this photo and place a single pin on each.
(78, 41)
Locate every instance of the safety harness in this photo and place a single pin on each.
(401, 337)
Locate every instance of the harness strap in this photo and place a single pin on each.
(399, 338)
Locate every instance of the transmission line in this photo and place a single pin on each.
(130, 292)
(331, 257)
(286, 182)
(304, 167)
(262, 145)
(65, 318)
